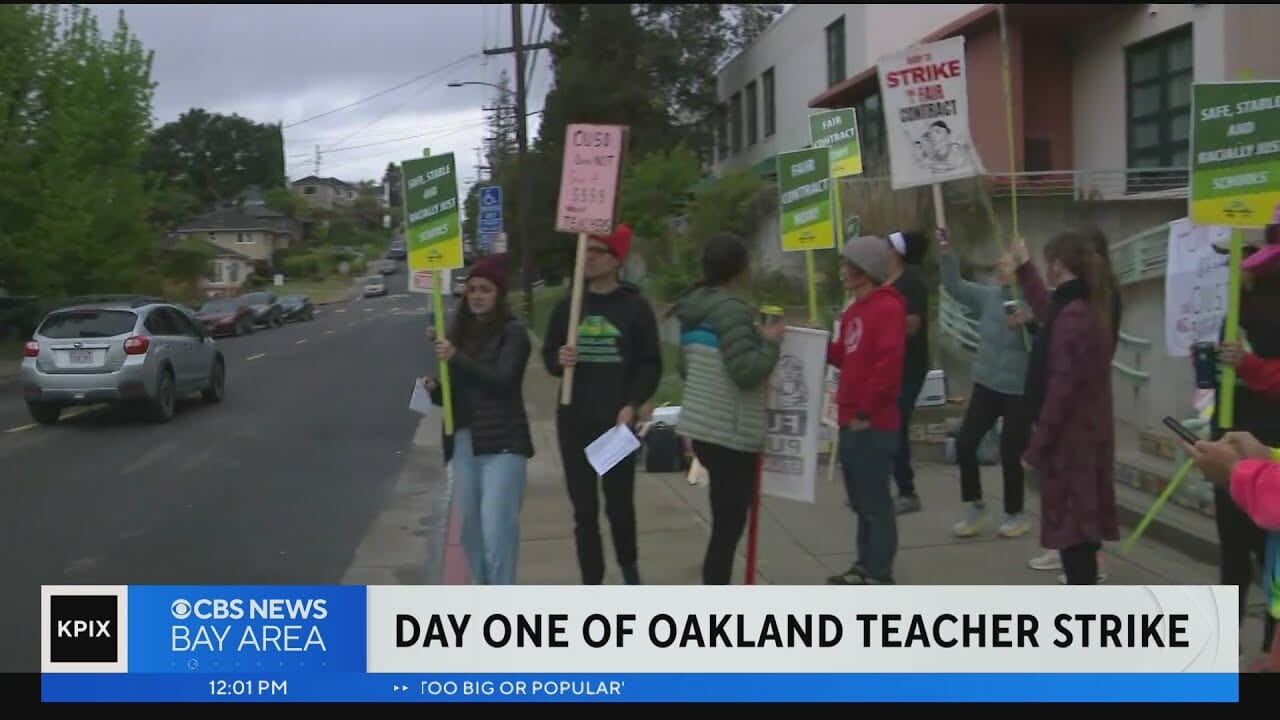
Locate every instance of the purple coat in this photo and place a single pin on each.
(1072, 445)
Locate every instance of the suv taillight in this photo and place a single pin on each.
(31, 349)
(136, 345)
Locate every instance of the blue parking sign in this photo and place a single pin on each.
(490, 221)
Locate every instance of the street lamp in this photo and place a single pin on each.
(522, 179)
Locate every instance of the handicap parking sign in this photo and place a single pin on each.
(490, 221)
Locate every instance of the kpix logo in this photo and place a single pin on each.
(84, 628)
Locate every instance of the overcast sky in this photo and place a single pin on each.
(288, 63)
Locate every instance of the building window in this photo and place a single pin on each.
(770, 118)
(871, 130)
(233, 272)
(1158, 75)
(309, 190)
(215, 271)
(722, 132)
(244, 239)
(735, 122)
(835, 52)
(753, 129)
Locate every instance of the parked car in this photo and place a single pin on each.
(145, 352)
(297, 307)
(386, 267)
(266, 308)
(226, 317)
(398, 251)
(375, 285)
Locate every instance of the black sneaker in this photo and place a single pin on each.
(853, 576)
(631, 575)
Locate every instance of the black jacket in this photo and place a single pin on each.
(488, 394)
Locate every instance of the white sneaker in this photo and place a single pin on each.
(1048, 561)
(1015, 525)
(974, 516)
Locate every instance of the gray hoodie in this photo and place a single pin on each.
(1001, 362)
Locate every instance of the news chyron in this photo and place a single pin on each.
(194, 629)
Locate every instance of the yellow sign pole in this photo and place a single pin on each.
(1007, 79)
(437, 306)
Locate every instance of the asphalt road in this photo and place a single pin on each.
(276, 485)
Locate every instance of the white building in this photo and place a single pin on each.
(764, 91)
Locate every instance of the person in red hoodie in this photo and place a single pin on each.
(869, 353)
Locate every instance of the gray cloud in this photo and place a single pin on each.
(287, 63)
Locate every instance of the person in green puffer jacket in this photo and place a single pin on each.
(726, 359)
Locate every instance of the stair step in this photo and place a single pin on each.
(1185, 523)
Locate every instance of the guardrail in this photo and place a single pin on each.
(1121, 184)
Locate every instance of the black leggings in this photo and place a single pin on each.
(1240, 543)
(732, 476)
(585, 489)
(985, 407)
(1080, 563)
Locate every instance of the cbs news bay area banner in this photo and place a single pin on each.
(649, 643)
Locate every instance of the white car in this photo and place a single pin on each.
(375, 285)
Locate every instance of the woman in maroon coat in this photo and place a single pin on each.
(1069, 393)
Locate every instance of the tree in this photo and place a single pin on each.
(215, 156)
(75, 109)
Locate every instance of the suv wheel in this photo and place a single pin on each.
(44, 413)
(166, 399)
(217, 387)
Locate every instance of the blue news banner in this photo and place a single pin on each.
(310, 644)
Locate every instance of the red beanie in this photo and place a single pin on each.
(619, 242)
(494, 269)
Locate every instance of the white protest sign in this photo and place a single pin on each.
(1195, 286)
(926, 114)
(794, 412)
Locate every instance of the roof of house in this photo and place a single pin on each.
(235, 218)
(170, 240)
(315, 180)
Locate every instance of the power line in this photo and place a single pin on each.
(460, 124)
(381, 93)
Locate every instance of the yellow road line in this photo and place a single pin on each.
(20, 428)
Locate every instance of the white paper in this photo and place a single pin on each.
(1195, 286)
(611, 448)
(420, 400)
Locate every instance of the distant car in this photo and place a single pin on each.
(297, 307)
(145, 352)
(266, 308)
(459, 283)
(375, 285)
(386, 267)
(397, 251)
(225, 317)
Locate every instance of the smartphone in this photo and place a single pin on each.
(1010, 307)
(1181, 431)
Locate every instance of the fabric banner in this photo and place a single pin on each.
(794, 410)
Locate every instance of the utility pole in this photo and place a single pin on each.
(522, 150)
(317, 161)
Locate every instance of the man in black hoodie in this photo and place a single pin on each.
(618, 363)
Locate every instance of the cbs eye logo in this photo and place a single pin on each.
(180, 609)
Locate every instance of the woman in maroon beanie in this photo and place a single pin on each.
(487, 350)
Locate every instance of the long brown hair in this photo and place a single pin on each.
(470, 332)
(1077, 250)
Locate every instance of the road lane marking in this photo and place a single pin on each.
(341, 310)
(255, 357)
(66, 415)
(300, 341)
(150, 458)
(330, 332)
(351, 324)
(20, 428)
(368, 309)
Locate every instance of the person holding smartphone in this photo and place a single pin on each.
(999, 377)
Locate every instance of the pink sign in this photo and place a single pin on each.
(589, 179)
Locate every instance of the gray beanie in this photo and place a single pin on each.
(870, 254)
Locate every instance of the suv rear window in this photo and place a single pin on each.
(88, 324)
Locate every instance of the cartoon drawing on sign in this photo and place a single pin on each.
(938, 152)
(789, 390)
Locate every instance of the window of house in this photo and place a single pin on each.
(244, 239)
(735, 122)
(835, 52)
(770, 118)
(753, 128)
(233, 272)
(871, 128)
(722, 131)
(215, 271)
(1037, 156)
(309, 190)
(1158, 74)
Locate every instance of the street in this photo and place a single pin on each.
(276, 485)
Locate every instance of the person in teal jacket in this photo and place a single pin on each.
(999, 375)
(726, 360)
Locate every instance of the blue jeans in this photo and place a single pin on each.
(866, 460)
(903, 473)
(490, 493)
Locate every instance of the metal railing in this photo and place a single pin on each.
(1085, 185)
(1142, 256)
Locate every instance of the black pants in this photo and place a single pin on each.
(985, 407)
(1240, 543)
(732, 476)
(1080, 563)
(584, 487)
(903, 474)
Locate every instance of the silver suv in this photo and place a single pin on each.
(119, 349)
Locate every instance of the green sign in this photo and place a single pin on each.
(804, 194)
(1235, 153)
(837, 130)
(433, 233)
